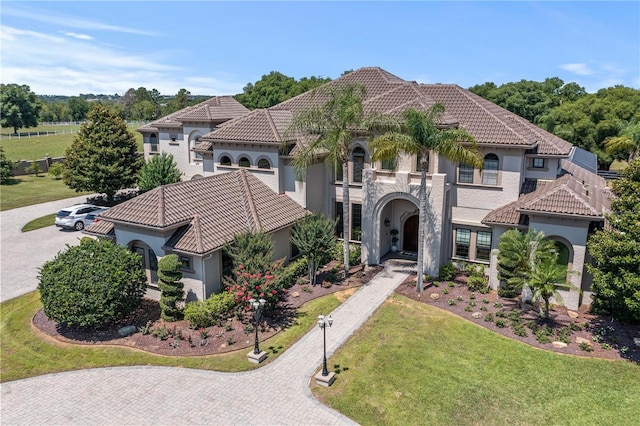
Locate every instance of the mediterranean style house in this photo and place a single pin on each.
(530, 179)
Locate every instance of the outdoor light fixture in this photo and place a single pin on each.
(326, 378)
(257, 306)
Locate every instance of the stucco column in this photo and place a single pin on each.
(434, 225)
(368, 244)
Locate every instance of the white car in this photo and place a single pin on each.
(73, 217)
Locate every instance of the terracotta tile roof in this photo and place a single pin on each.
(492, 124)
(100, 229)
(261, 125)
(582, 174)
(206, 213)
(567, 196)
(215, 110)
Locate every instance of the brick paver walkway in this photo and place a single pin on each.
(277, 394)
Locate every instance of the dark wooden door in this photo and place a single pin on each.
(410, 234)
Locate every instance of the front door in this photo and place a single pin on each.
(410, 234)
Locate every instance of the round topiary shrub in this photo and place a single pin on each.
(91, 284)
(169, 277)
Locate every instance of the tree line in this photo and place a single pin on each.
(588, 120)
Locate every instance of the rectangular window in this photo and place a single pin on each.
(538, 163)
(339, 219)
(338, 172)
(465, 174)
(483, 245)
(388, 165)
(185, 261)
(356, 222)
(463, 240)
(358, 165)
(419, 165)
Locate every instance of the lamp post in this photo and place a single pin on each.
(256, 356)
(322, 323)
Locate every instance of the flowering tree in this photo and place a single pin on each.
(257, 286)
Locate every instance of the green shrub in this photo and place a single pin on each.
(501, 323)
(507, 292)
(91, 284)
(55, 170)
(519, 331)
(452, 302)
(447, 271)
(171, 288)
(294, 270)
(214, 310)
(476, 283)
(354, 253)
(586, 347)
(489, 317)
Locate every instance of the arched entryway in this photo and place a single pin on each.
(410, 234)
(149, 260)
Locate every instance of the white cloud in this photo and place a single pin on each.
(59, 65)
(70, 21)
(78, 36)
(580, 69)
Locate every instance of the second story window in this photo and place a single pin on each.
(225, 161)
(196, 143)
(490, 170)
(153, 141)
(263, 163)
(388, 165)
(538, 163)
(358, 163)
(465, 173)
(419, 163)
(244, 162)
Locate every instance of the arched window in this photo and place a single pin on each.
(196, 142)
(153, 141)
(563, 253)
(490, 170)
(358, 155)
(225, 161)
(244, 162)
(263, 163)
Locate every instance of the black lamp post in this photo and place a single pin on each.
(322, 323)
(256, 306)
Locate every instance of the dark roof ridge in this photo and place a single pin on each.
(274, 129)
(247, 200)
(198, 232)
(161, 207)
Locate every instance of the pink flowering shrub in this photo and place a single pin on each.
(265, 286)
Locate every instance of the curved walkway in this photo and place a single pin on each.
(277, 394)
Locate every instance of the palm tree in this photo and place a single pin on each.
(520, 253)
(544, 279)
(327, 130)
(628, 139)
(420, 134)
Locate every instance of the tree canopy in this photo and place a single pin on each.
(159, 170)
(315, 238)
(274, 88)
(616, 252)
(19, 107)
(102, 157)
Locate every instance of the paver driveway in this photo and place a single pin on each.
(272, 395)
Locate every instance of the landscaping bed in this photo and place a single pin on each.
(154, 335)
(575, 333)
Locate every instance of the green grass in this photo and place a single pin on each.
(41, 222)
(36, 148)
(29, 190)
(412, 364)
(27, 353)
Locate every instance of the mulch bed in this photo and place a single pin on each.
(606, 338)
(182, 340)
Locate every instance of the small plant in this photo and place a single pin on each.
(146, 329)
(485, 300)
(174, 345)
(563, 334)
(489, 317)
(497, 305)
(531, 325)
(460, 299)
(483, 308)
(519, 331)
(605, 346)
(306, 289)
(445, 291)
(161, 333)
(190, 340)
(412, 283)
(472, 303)
(501, 314)
(446, 272)
(228, 326)
(515, 316)
(585, 347)
(230, 341)
(472, 296)
(248, 329)
(501, 323)
(452, 302)
(204, 334)
(427, 278)
(326, 284)
(451, 284)
(178, 335)
(542, 336)
(468, 309)
(436, 284)
(624, 349)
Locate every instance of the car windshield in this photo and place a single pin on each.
(63, 213)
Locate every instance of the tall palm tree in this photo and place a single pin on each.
(544, 281)
(628, 139)
(420, 134)
(327, 130)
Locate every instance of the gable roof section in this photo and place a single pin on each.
(215, 110)
(206, 213)
(261, 125)
(568, 195)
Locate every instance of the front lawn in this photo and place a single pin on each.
(29, 190)
(26, 353)
(413, 364)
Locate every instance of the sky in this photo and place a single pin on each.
(216, 48)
